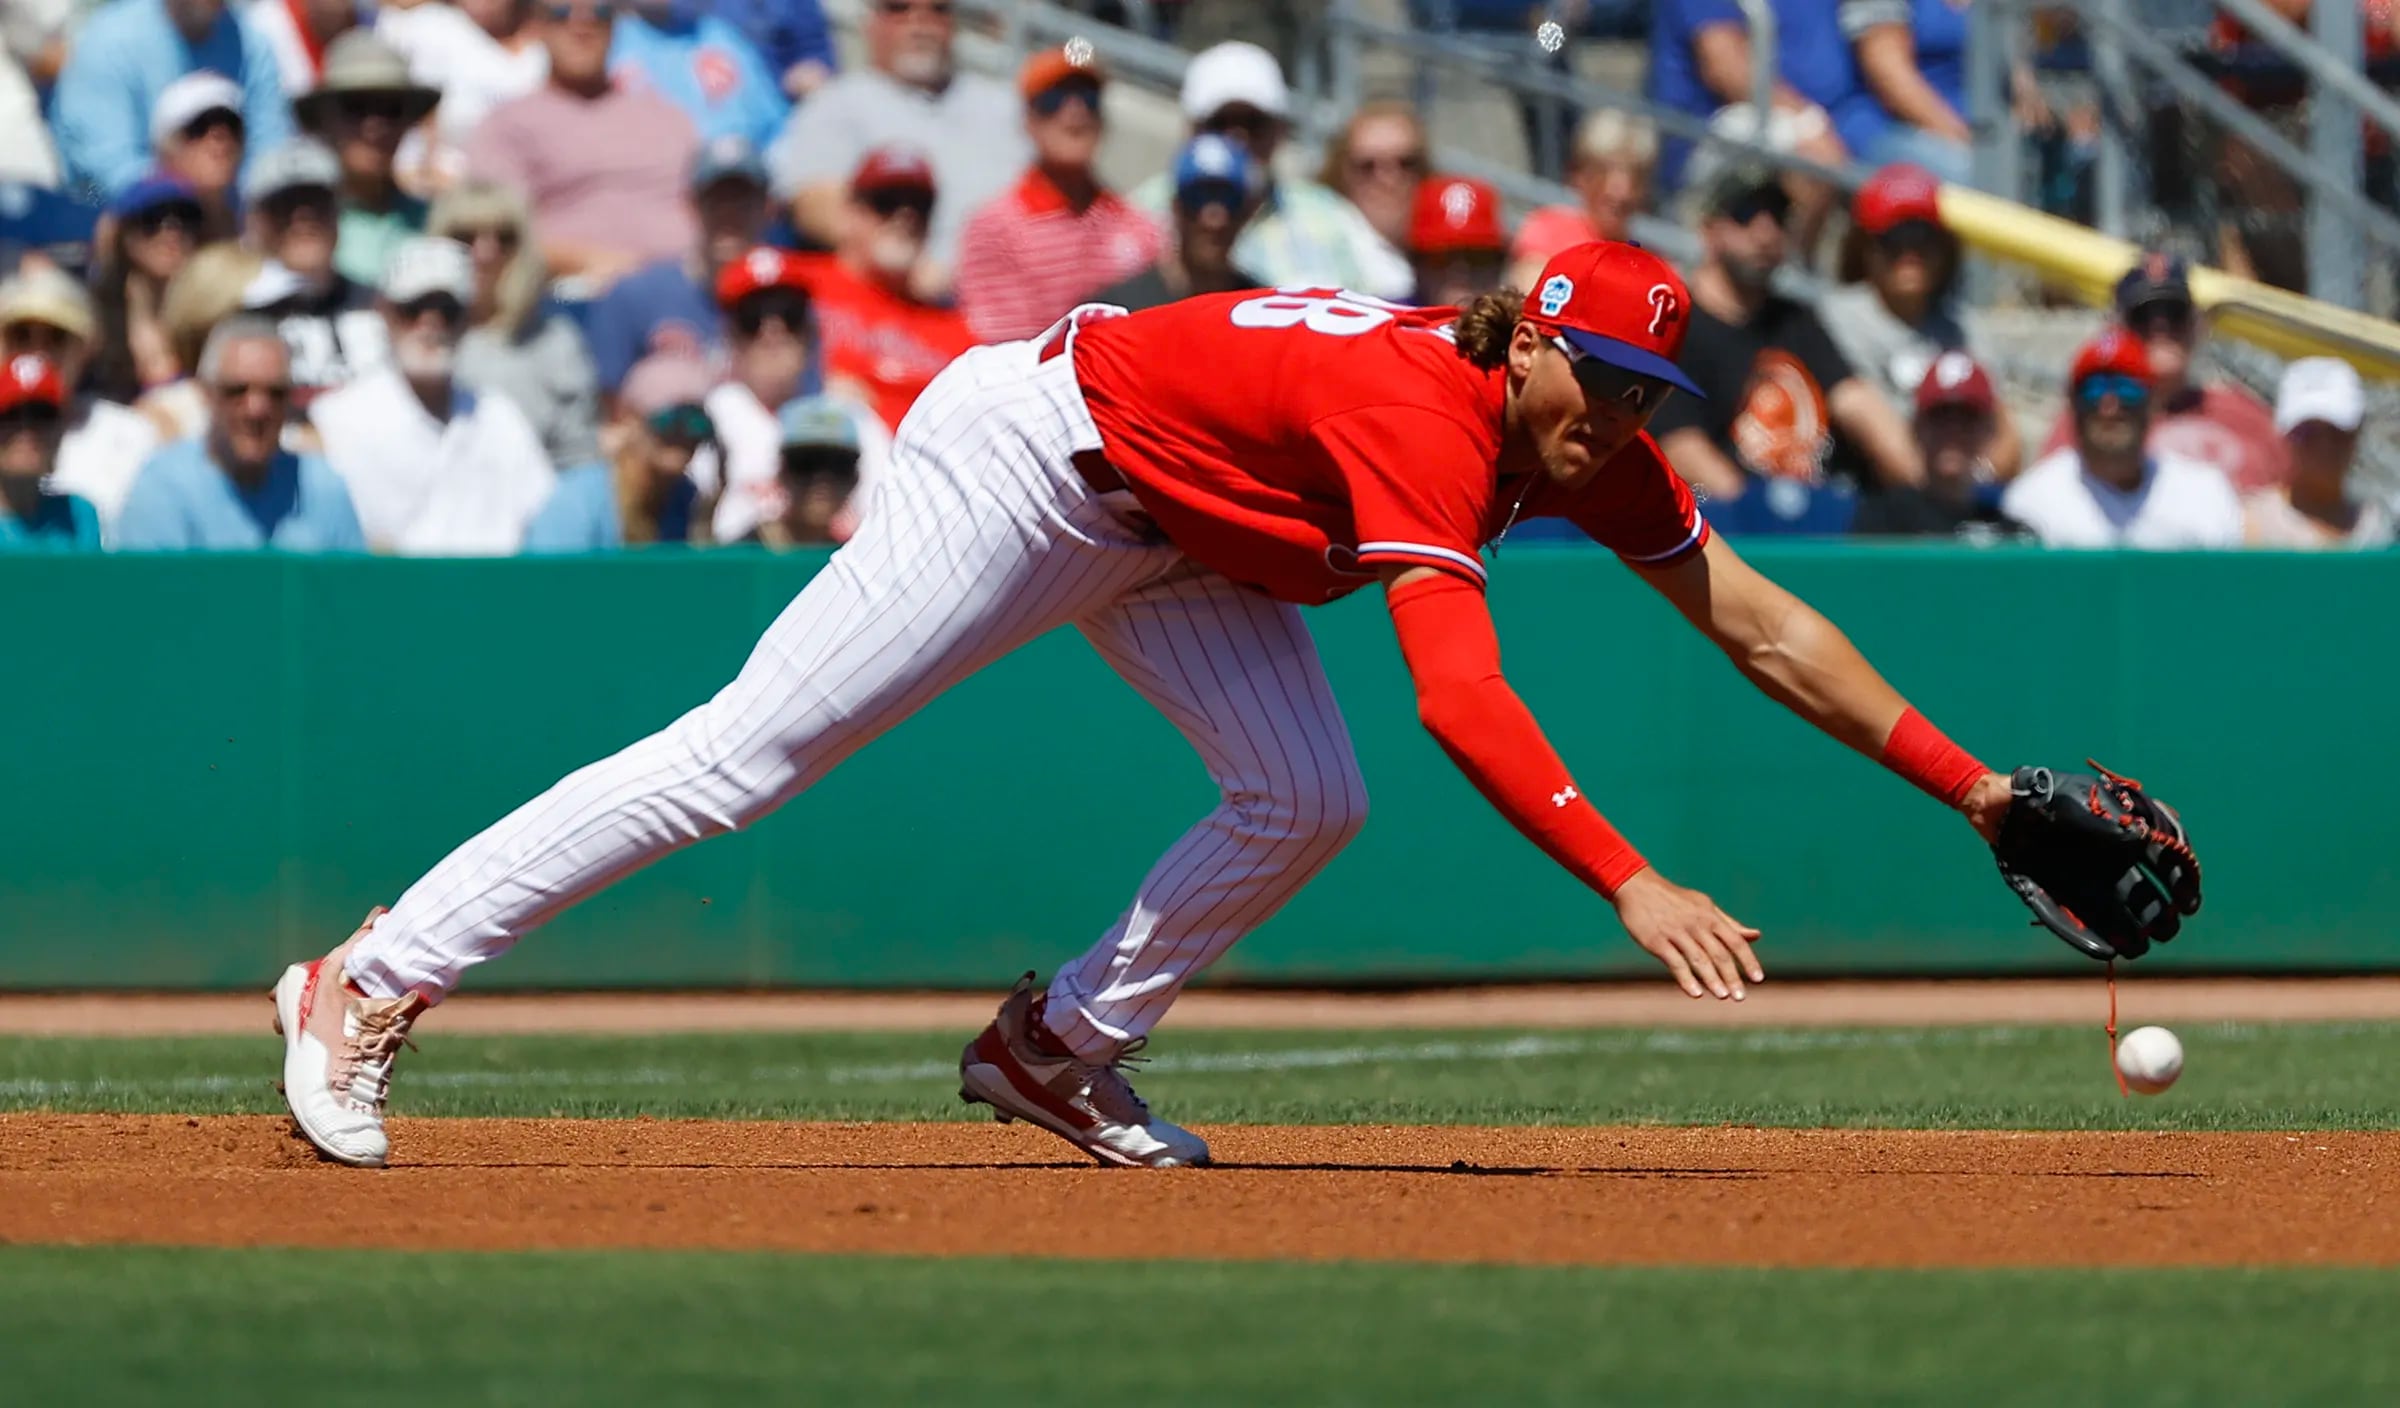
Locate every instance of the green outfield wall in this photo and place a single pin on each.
(209, 766)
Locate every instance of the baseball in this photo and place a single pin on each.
(2149, 1058)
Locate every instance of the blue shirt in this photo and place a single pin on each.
(784, 32)
(1675, 72)
(704, 67)
(60, 523)
(182, 501)
(581, 515)
(1939, 31)
(657, 308)
(123, 58)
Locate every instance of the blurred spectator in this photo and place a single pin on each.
(2218, 423)
(1456, 241)
(329, 325)
(47, 314)
(602, 166)
(2106, 489)
(1893, 317)
(1042, 248)
(1700, 63)
(1782, 400)
(235, 488)
(196, 130)
(33, 516)
(433, 469)
(28, 156)
(1376, 161)
(207, 292)
(1300, 233)
(1958, 416)
(361, 108)
(882, 345)
(702, 65)
(662, 431)
(302, 35)
(124, 57)
(1910, 101)
(1610, 169)
(791, 35)
(40, 226)
(766, 295)
(156, 225)
(2318, 409)
(909, 95)
(1216, 188)
(671, 305)
(480, 53)
(819, 476)
(516, 344)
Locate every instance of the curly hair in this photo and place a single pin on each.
(1485, 326)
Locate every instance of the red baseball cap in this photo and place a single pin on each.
(2114, 350)
(30, 379)
(892, 169)
(1616, 303)
(1455, 213)
(1956, 379)
(763, 267)
(1896, 195)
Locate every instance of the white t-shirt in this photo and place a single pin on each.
(465, 487)
(2180, 503)
(102, 452)
(753, 444)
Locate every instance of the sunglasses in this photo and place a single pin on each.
(938, 9)
(505, 236)
(175, 216)
(277, 391)
(440, 305)
(1241, 118)
(360, 106)
(888, 203)
(282, 206)
(1408, 164)
(604, 12)
(686, 424)
(2165, 319)
(216, 119)
(1913, 237)
(780, 306)
(1054, 99)
(44, 339)
(1604, 383)
(1766, 200)
(2092, 390)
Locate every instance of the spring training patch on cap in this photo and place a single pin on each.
(1555, 293)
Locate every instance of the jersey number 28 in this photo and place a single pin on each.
(1333, 312)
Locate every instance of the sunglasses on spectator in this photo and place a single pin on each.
(687, 424)
(360, 106)
(278, 391)
(441, 305)
(1403, 164)
(1913, 237)
(1766, 200)
(1606, 383)
(1051, 100)
(603, 11)
(752, 314)
(175, 215)
(34, 416)
(505, 236)
(211, 121)
(283, 205)
(2092, 390)
(2167, 319)
(1241, 118)
(889, 203)
(939, 9)
(42, 339)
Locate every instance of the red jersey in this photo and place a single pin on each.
(889, 344)
(1297, 440)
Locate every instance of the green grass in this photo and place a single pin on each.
(2240, 1076)
(205, 1327)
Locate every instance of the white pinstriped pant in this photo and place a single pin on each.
(981, 538)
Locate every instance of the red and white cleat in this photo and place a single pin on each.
(338, 1048)
(1089, 1104)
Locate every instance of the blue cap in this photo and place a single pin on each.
(818, 422)
(149, 193)
(726, 156)
(1213, 168)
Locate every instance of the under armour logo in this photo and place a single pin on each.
(1665, 307)
(1560, 799)
(1556, 290)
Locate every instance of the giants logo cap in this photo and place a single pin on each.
(1616, 303)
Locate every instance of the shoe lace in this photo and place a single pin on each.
(1109, 1091)
(368, 1051)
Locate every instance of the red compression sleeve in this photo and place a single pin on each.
(1925, 756)
(1446, 636)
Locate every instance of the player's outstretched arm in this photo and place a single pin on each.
(1804, 662)
(1454, 658)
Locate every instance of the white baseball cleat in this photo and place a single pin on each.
(1089, 1104)
(338, 1048)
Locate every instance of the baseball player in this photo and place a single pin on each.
(1176, 484)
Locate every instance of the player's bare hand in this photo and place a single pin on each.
(1706, 949)
(1987, 802)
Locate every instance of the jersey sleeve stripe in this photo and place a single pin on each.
(1420, 552)
(1691, 540)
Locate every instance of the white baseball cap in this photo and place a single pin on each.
(181, 102)
(1234, 72)
(2320, 388)
(428, 265)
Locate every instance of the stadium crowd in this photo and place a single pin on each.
(501, 276)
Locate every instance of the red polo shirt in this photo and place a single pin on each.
(1028, 257)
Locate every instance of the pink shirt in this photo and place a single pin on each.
(2224, 426)
(608, 172)
(1028, 257)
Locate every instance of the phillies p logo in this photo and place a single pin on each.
(1665, 308)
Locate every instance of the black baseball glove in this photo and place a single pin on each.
(2099, 862)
